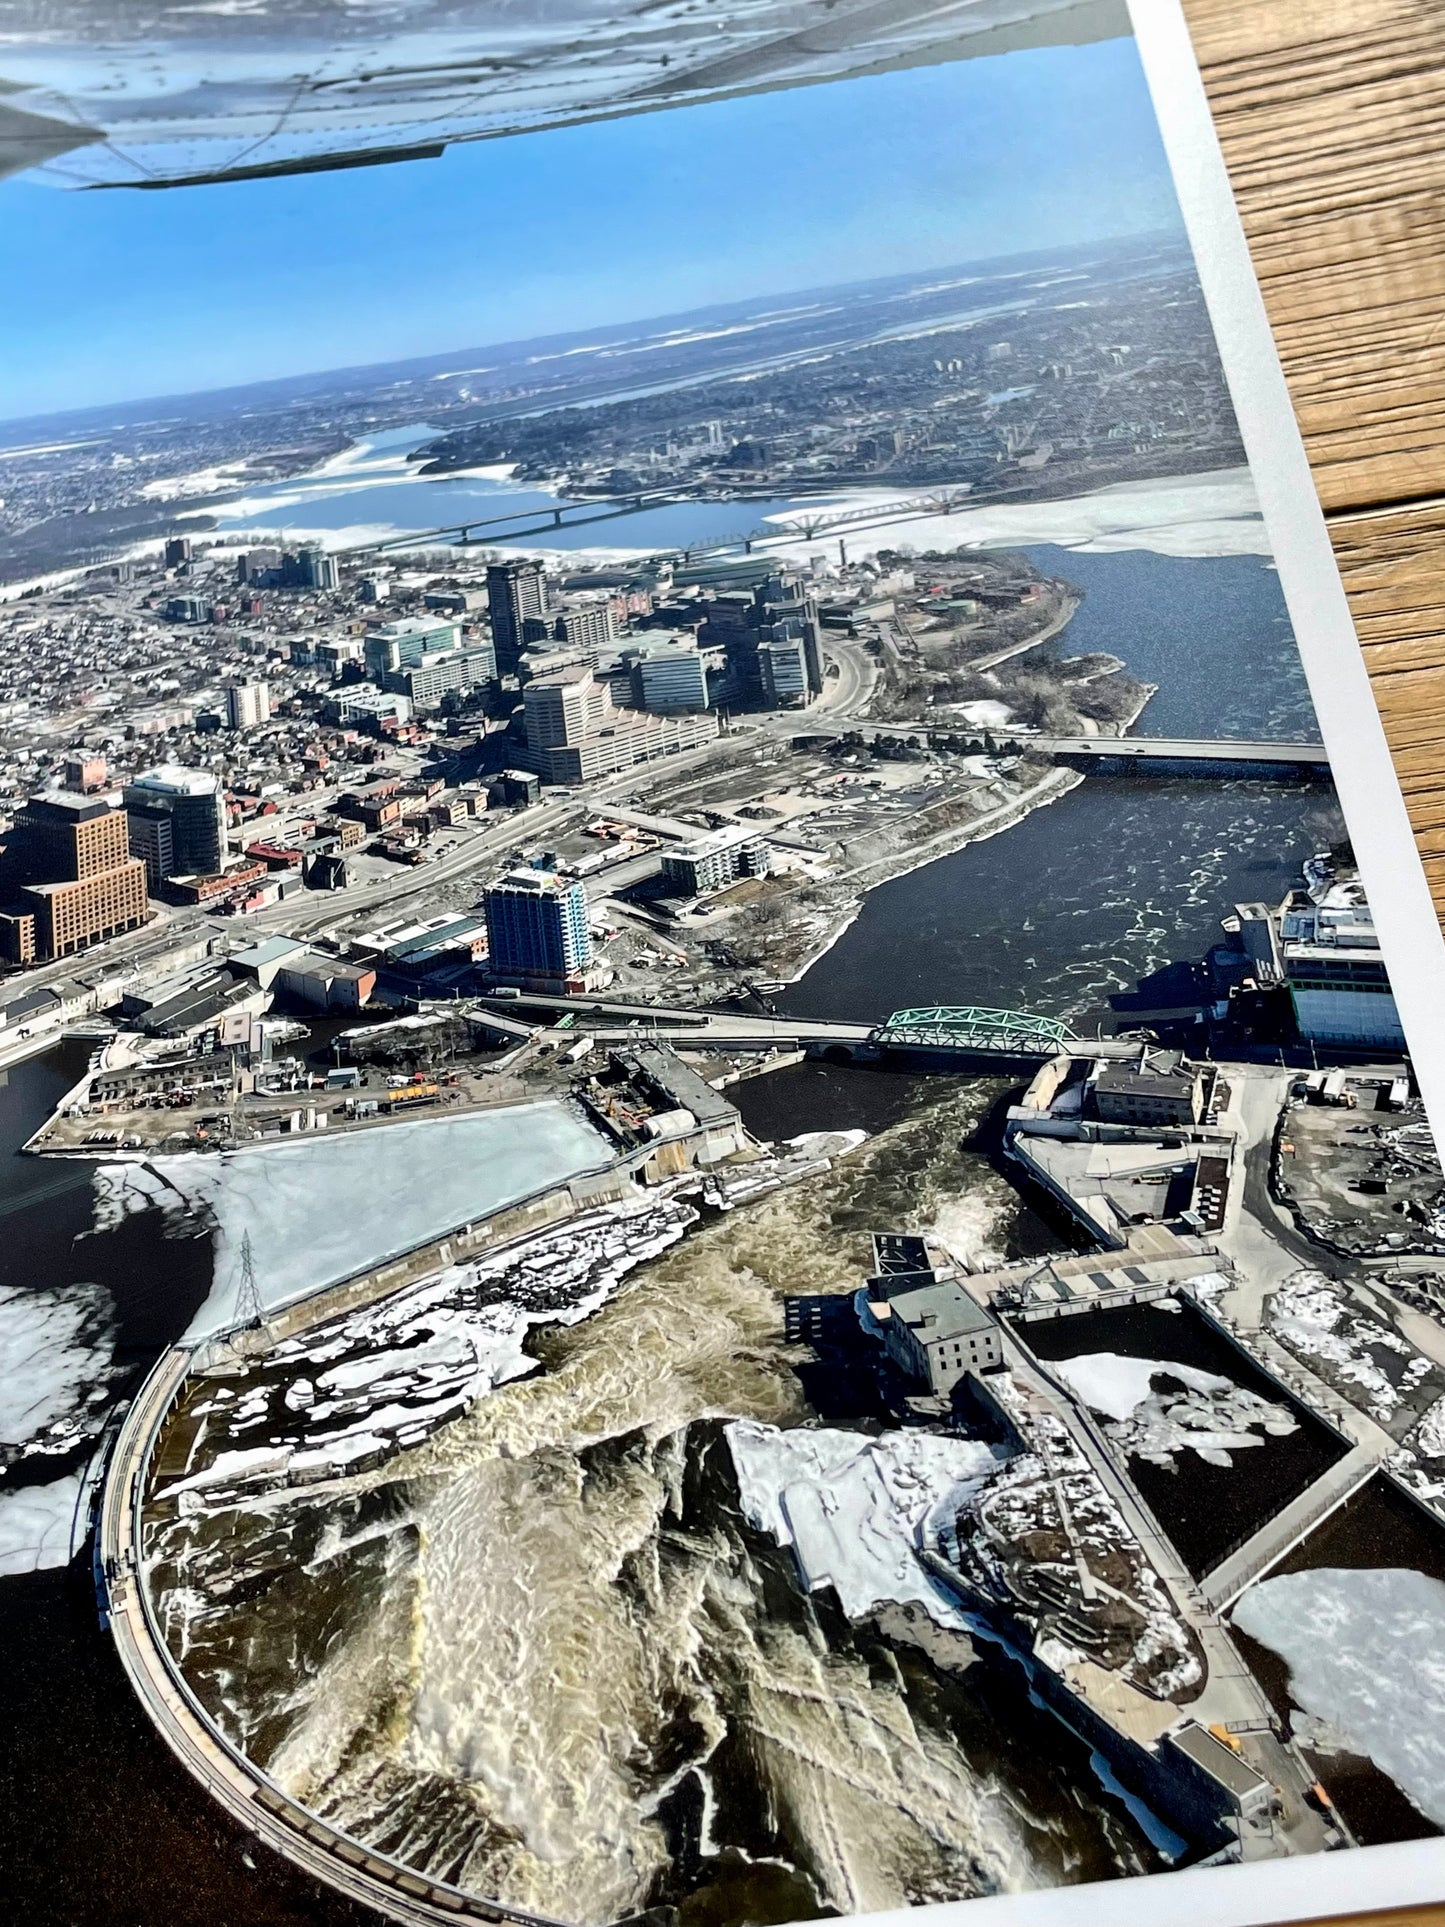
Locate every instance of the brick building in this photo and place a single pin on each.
(70, 878)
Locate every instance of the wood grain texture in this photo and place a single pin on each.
(1391, 568)
(1331, 114)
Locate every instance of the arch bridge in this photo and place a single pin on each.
(970, 1027)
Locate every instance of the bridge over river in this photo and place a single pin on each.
(1106, 755)
(827, 519)
(951, 1036)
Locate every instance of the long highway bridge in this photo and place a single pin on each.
(522, 525)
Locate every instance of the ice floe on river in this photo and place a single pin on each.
(382, 1378)
(1366, 1654)
(323, 1207)
(55, 1367)
(36, 1524)
(1215, 513)
(856, 1508)
(1212, 1417)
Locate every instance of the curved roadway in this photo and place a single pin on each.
(246, 1793)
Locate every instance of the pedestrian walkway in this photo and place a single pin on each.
(1288, 1527)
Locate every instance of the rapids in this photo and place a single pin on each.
(545, 1655)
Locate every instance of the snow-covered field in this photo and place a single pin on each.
(983, 714)
(1366, 1654)
(1216, 513)
(1212, 1418)
(201, 481)
(1429, 1436)
(321, 1208)
(854, 1508)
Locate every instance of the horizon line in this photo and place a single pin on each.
(1143, 236)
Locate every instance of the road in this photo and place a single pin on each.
(851, 690)
(1258, 1234)
(259, 1806)
(608, 1021)
(1293, 1523)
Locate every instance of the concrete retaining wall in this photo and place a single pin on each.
(1163, 1779)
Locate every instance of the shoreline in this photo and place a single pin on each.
(1051, 788)
(1055, 626)
(1209, 520)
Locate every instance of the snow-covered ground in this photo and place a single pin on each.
(1213, 1417)
(201, 481)
(983, 714)
(1428, 1438)
(854, 1508)
(1312, 1316)
(1216, 513)
(1023, 1500)
(320, 1208)
(35, 1525)
(1366, 1654)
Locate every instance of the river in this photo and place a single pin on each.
(1119, 877)
(1080, 900)
(372, 486)
(98, 1824)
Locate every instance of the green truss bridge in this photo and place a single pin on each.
(969, 1027)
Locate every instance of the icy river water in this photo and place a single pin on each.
(1083, 899)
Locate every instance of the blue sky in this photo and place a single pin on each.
(114, 296)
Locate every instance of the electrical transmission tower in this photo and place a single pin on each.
(248, 1296)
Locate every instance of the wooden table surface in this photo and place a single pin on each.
(1331, 114)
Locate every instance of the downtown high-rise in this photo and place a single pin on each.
(515, 592)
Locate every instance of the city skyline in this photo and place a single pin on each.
(187, 311)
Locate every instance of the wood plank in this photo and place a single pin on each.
(1331, 114)
(1391, 566)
